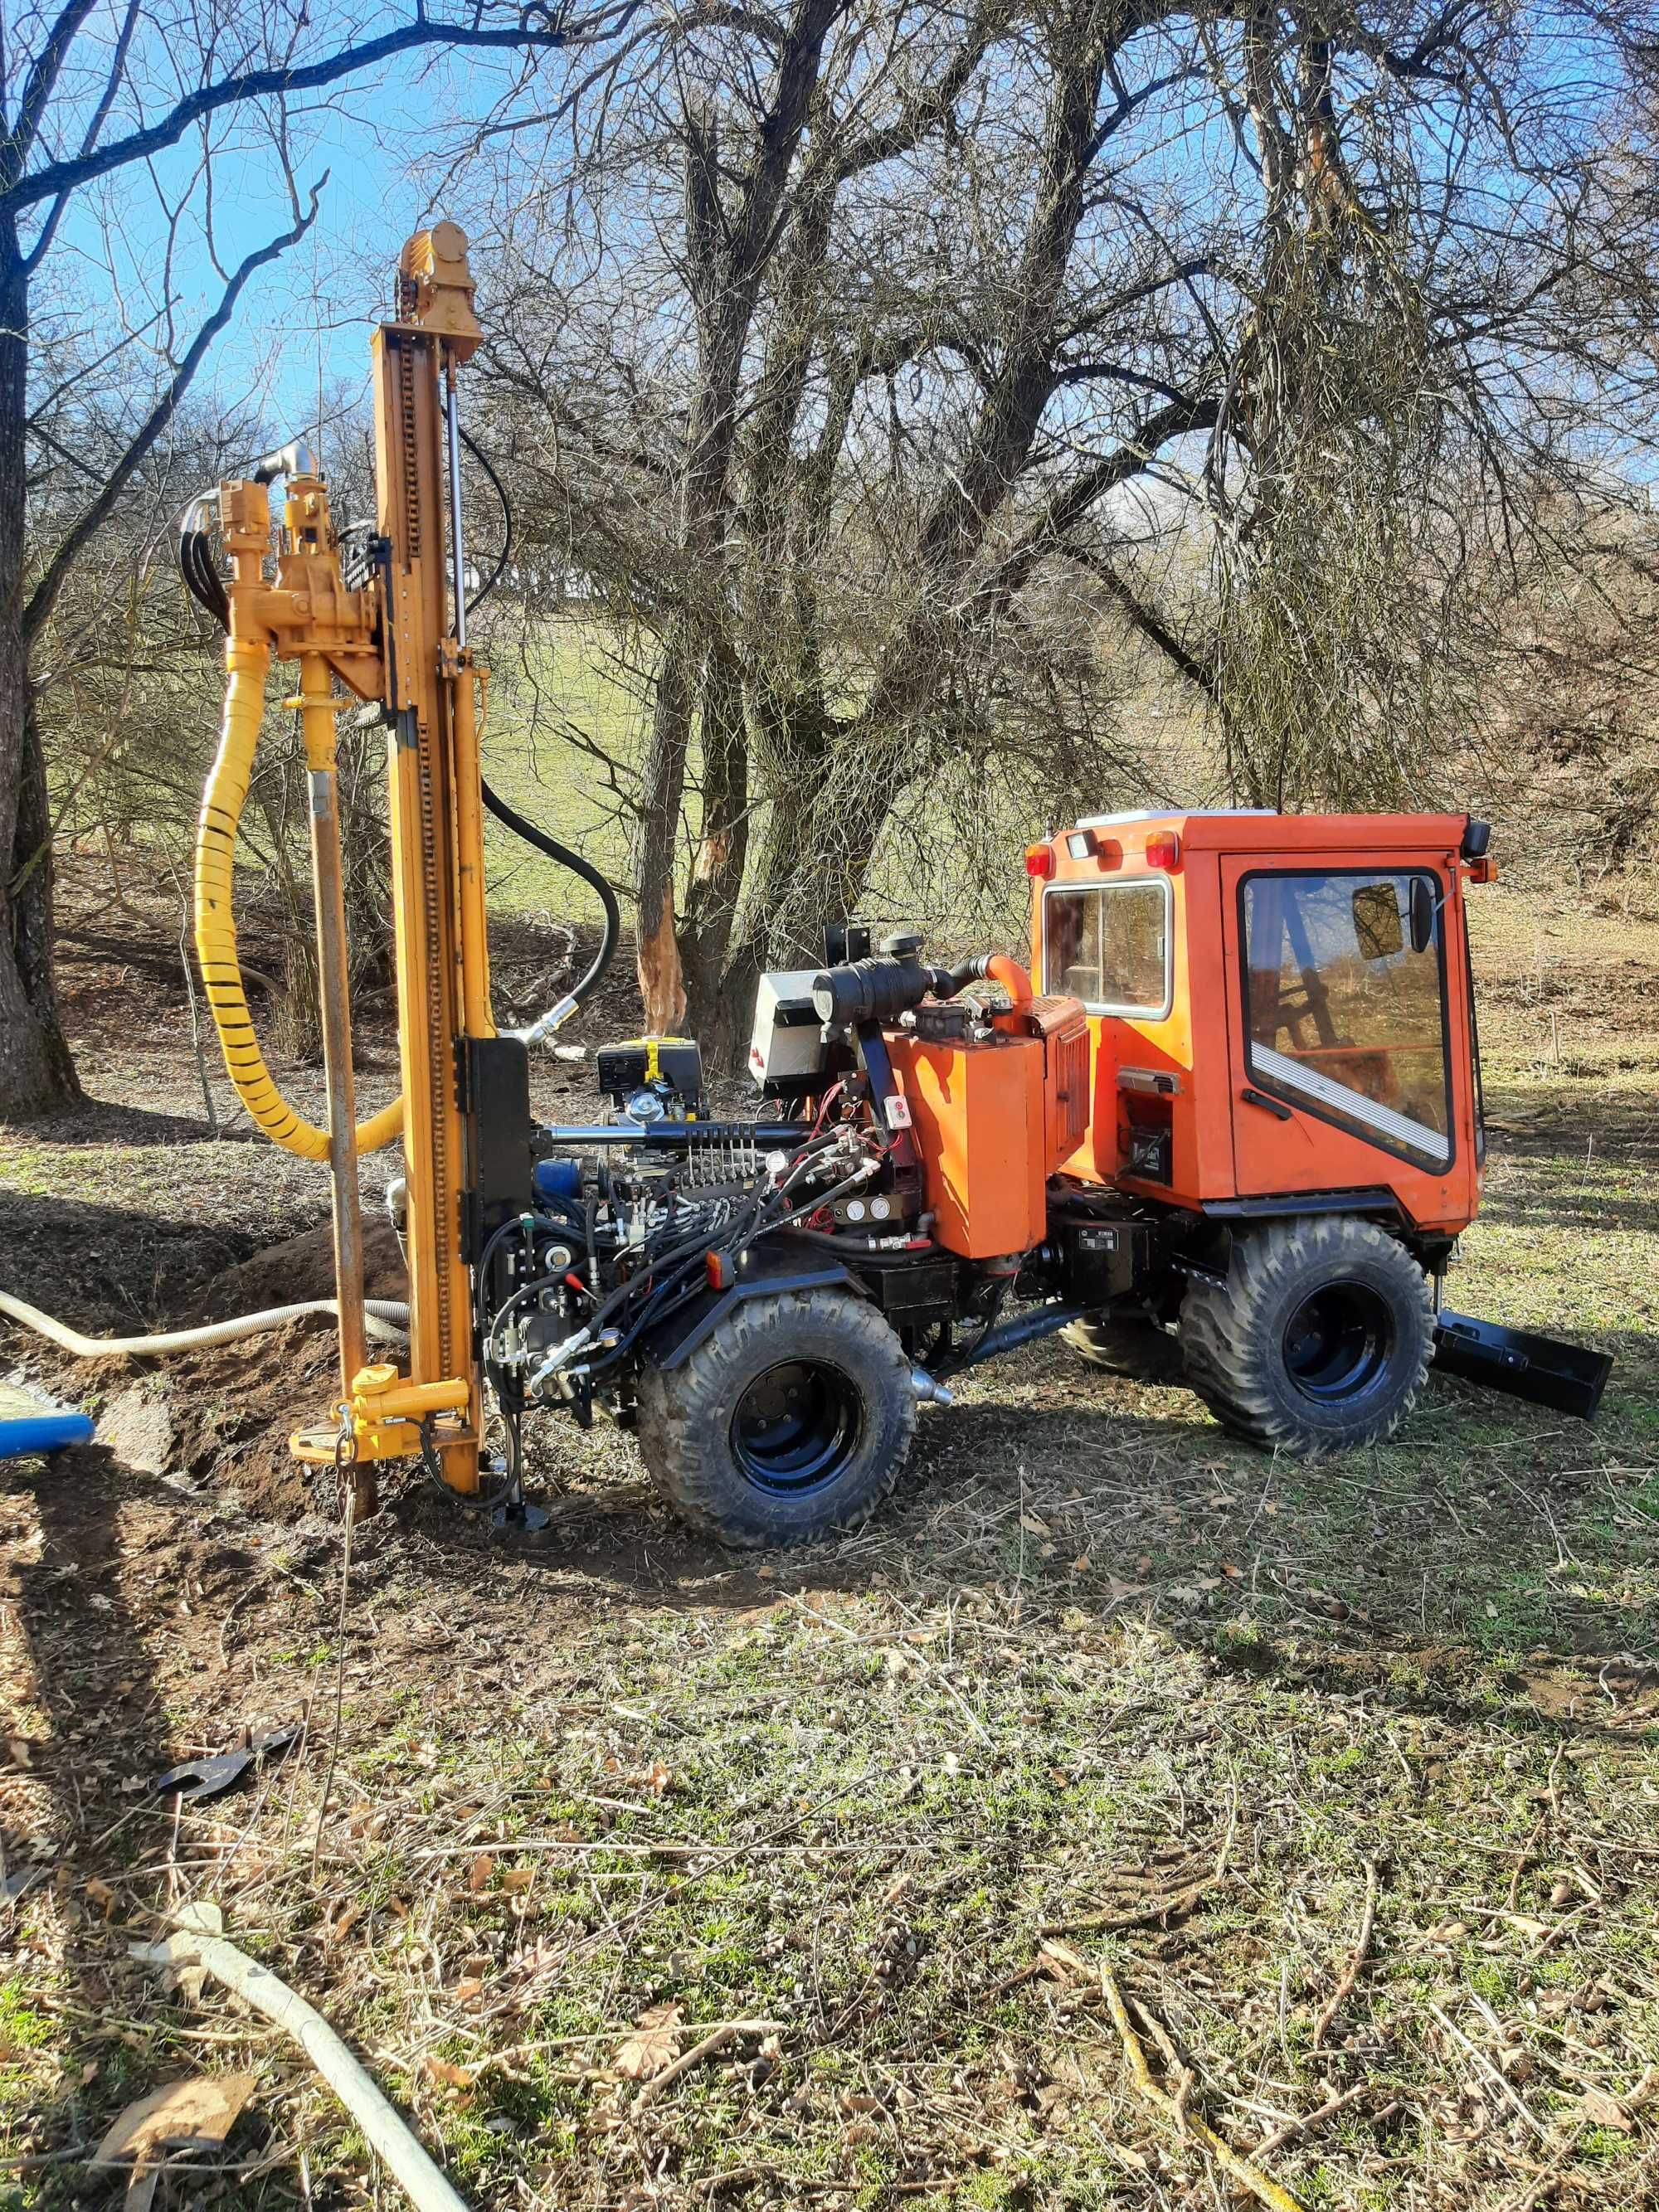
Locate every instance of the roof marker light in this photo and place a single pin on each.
(1164, 850)
(1040, 862)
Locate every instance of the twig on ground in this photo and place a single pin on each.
(1500, 2081)
(1281, 2135)
(1339, 1995)
(1157, 1911)
(1232, 2163)
(716, 2038)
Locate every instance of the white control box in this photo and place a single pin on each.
(786, 1046)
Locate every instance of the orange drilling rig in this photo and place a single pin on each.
(1231, 1132)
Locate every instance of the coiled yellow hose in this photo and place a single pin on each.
(246, 660)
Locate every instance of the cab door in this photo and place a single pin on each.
(1339, 1030)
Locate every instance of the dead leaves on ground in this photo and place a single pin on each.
(195, 2113)
(652, 2045)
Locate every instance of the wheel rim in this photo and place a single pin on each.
(796, 1426)
(1338, 1342)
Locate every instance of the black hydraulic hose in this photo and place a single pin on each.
(590, 875)
(495, 576)
(509, 815)
(1044, 1321)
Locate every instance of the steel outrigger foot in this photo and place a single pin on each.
(515, 1516)
(1567, 1377)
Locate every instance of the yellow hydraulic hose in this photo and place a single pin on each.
(246, 660)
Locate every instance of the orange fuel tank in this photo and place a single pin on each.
(979, 1110)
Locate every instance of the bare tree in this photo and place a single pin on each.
(863, 451)
(1448, 354)
(885, 372)
(86, 94)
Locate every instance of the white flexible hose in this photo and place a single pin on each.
(384, 1320)
(384, 2127)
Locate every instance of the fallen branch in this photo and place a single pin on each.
(714, 2041)
(1339, 1995)
(197, 1942)
(1232, 2163)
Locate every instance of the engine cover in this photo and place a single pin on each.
(670, 1066)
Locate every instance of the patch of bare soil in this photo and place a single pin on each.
(223, 1415)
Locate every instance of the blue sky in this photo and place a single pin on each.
(314, 308)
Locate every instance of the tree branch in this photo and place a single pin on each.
(1147, 621)
(118, 69)
(38, 87)
(44, 594)
(58, 177)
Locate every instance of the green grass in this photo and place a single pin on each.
(1096, 1653)
(575, 684)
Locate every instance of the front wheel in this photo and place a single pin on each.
(1319, 1339)
(790, 1422)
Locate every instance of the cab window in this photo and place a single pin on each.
(1109, 944)
(1345, 988)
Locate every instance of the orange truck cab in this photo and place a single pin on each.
(1280, 1009)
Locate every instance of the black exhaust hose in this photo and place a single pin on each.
(882, 988)
(1046, 1321)
(511, 818)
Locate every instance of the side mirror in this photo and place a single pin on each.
(1425, 912)
(1376, 924)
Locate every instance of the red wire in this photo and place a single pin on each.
(828, 1100)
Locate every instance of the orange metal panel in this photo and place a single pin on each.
(978, 1111)
(425, 864)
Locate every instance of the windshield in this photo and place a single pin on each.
(1345, 995)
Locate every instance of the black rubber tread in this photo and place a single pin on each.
(685, 1418)
(1233, 1334)
(1125, 1345)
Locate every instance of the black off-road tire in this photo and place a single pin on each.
(714, 1447)
(1318, 1341)
(1126, 1344)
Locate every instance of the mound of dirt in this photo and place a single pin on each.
(299, 1268)
(223, 1414)
(233, 1406)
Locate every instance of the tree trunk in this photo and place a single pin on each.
(717, 874)
(783, 914)
(662, 780)
(32, 908)
(36, 1071)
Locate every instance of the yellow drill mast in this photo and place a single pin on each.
(397, 636)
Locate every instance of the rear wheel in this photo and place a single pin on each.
(1318, 1341)
(792, 1420)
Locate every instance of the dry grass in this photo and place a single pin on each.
(1101, 1690)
